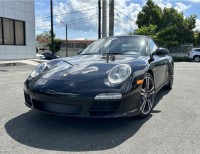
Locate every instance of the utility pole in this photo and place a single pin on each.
(104, 22)
(111, 18)
(99, 21)
(52, 39)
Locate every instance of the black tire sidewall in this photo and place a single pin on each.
(169, 84)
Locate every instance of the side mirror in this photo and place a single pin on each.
(78, 53)
(161, 51)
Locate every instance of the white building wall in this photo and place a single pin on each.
(20, 10)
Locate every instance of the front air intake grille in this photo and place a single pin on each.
(103, 108)
(57, 108)
(27, 99)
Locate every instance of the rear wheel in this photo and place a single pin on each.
(170, 79)
(147, 96)
(196, 58)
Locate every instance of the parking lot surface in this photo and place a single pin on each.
(173, 126)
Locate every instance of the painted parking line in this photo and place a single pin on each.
(187, 68)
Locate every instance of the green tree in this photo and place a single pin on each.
(176, 28)
(147, 30)
(189, 25)
(57, 43)
(47, 35)
(151, 14)
(197, 38)
(168, 26)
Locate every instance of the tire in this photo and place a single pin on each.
(147, 96)
(170, 82)
(196, 58)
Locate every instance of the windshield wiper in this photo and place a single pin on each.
(108, 56)
(90, 54)
(112, 53)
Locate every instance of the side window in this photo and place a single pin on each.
(144, 48)
(198, 50)
(152, 46)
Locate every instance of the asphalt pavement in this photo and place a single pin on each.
(173, 126)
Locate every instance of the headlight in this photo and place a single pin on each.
(119, 73)
(39, 69)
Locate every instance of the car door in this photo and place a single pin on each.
(159, 66)
(197, 52)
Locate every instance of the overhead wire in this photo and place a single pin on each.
(66, 13)
(125, 15)
(70, 22)
(125, 22)
(80, 18)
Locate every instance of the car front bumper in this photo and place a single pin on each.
(81, 106)
(190, 56)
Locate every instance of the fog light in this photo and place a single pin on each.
(108, 96)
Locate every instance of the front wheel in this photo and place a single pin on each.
(196, 58)
(170, 79)
(147, 96)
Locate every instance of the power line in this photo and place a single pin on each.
(66, 13)
(119, 20)
(123, 22)
(71, 23)
(74, 23)
(124, 15)
(80, 18)
(75, 20)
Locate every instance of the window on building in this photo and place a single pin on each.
(1, 37)
(12, 32)
(8, 31)
(19, 32)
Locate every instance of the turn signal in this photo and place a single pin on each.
(140, 82)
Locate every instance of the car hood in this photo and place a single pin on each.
(84, 67)
(78, 74)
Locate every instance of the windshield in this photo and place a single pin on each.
(129, 45)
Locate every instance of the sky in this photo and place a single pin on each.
(81, 16)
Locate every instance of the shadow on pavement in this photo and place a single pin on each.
(159, 97)
(60, 133)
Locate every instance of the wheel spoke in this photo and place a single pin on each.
(147, 83)
(143, 105)
(143, 92)
(151, 92)
(149, 103)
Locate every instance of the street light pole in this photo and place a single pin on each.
(52, 37)
(99, 19)
(104, 21)
(66, 42)
(111, 18)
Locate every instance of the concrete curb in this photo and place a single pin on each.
(39, 60)
(18, 63)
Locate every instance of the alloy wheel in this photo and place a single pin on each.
(147, 96)
(196, 59)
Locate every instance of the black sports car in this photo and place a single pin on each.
(113, 77)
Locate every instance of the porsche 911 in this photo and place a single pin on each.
(116, 76)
